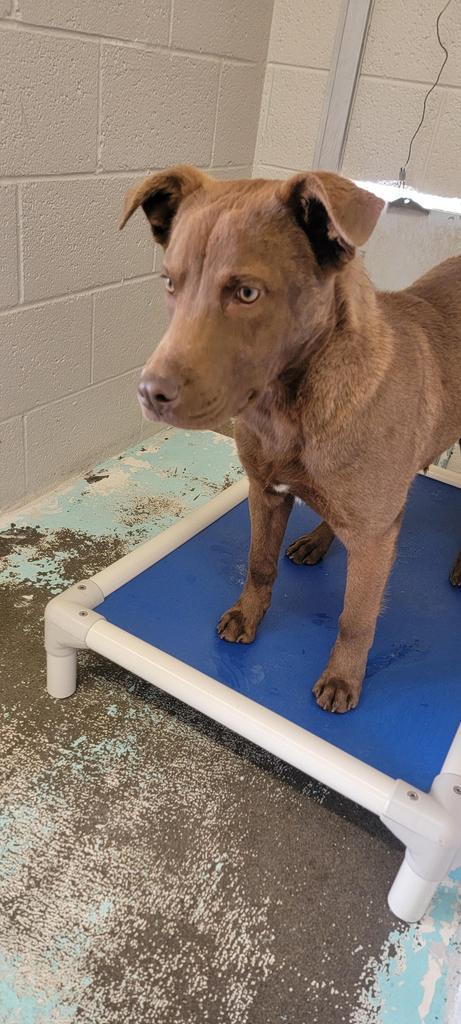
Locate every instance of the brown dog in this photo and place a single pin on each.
(341, 393)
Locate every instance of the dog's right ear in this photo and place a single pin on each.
(160, 196)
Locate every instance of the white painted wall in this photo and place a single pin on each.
(401, 60)
(95, 94)
(405, 245)
(299, 57)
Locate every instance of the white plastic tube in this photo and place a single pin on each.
(61, 674)
(410, 895)
(312, 755)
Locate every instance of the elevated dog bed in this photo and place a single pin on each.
(154, 612)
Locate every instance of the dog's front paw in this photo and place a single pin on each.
(335, 694)
(235, 627)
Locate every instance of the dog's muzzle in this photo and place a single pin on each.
(157, 394)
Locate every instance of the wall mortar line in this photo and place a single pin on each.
(93, 310)
(26, 453)
(170, 29)
(95, 39)
(48, 300)
(23, 432)
(99, 141)
(20, 240)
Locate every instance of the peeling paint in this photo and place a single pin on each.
(417, 976)
(129, 500)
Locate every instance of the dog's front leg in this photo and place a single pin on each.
(269, 516)
(369, 562)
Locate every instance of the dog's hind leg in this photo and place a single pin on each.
(311, 547)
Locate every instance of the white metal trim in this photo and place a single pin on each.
(346, 61)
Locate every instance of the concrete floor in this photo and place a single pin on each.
(154, 868)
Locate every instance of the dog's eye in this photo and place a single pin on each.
(168, 283)
(247, 294)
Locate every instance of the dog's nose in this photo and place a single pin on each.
(154, 391)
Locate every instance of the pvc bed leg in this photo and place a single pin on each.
(68, 620)
(410, 895)
(61, 673)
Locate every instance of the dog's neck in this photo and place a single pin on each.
(336, 370)
(355, 295)
(346, 371)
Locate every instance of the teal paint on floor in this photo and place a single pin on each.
(129, 498)
(154, 867)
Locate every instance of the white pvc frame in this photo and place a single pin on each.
(428, 824)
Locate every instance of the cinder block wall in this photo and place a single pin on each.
(95, 94)
(299, 59)
(401, 60)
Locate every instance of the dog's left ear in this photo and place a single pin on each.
(335, 214)
(160, 196)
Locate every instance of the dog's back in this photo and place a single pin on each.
(441, 286)
(428, 314)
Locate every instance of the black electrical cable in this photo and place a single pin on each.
(403, 169)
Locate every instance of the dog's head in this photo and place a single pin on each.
(249, 270)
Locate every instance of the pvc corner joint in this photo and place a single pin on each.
(70, 616)
(429, 825)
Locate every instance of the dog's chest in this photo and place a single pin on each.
(291, 476)
(306, 491)
(277, 456)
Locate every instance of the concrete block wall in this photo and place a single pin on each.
(299, 58)
(95, 95)
(401, 60)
